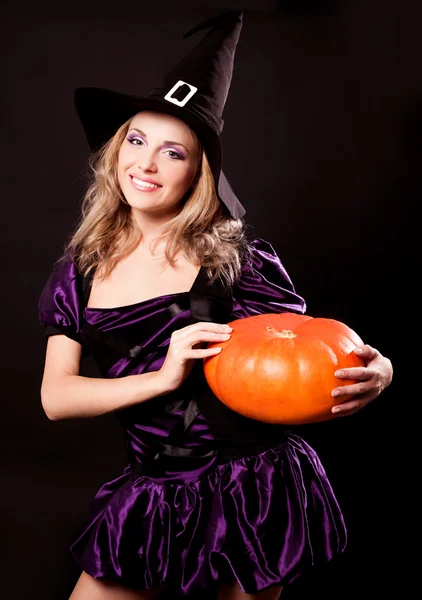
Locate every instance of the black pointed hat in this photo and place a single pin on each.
(195, 91)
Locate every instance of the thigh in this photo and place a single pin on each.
(233, 592)
(88, 588)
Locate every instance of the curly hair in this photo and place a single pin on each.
(106, 231)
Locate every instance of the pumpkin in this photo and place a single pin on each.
(279, 368)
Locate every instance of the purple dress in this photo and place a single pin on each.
(206, 494)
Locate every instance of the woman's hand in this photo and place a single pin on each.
(372, 379)
(181, 354)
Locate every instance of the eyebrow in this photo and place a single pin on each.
(165, 143)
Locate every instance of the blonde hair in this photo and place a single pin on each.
(107, 232)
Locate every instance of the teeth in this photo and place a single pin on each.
(144, 183)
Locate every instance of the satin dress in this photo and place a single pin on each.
(206, 495)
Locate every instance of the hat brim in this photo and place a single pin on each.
(103, 111)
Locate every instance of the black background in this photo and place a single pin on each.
(322, 144)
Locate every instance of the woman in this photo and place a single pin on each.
(158, 265)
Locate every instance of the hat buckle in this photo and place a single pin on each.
(169, 96)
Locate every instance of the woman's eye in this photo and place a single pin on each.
(135, 141)
(174, 154)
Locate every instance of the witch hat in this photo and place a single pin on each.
(195, 91)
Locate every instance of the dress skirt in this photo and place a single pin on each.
(263, 520)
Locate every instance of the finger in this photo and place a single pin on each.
(203, 353)
(211, 326)
(346, 413)
(202, 326)
(367, 351)
(355, 389)
(353, 404)
(360, 373)
(347, 407)
(204, 337)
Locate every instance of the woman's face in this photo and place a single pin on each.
(157, 163)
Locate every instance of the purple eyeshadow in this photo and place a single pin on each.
(135, 136)
(179, 153)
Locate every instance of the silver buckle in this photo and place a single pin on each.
(188, 96)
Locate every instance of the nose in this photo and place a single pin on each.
(147, 162)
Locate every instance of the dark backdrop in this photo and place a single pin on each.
(323, 146)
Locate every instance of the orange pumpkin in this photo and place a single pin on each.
(279, 368)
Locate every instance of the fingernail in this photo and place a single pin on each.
(335, 393)
(336, 409)
(339, 373)
(359, 350)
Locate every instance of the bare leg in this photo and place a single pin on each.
(88, 588)
(233, 592)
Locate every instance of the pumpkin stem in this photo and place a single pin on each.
(284, 333)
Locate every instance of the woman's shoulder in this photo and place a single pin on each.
(259, 253)
(258, 247)
(264, 284)
(60, 299)
(63, 271)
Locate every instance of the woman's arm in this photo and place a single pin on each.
(65, 394)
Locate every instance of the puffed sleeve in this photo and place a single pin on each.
(59, 305)
(264, 285)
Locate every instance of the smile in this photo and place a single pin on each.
(143, 186)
